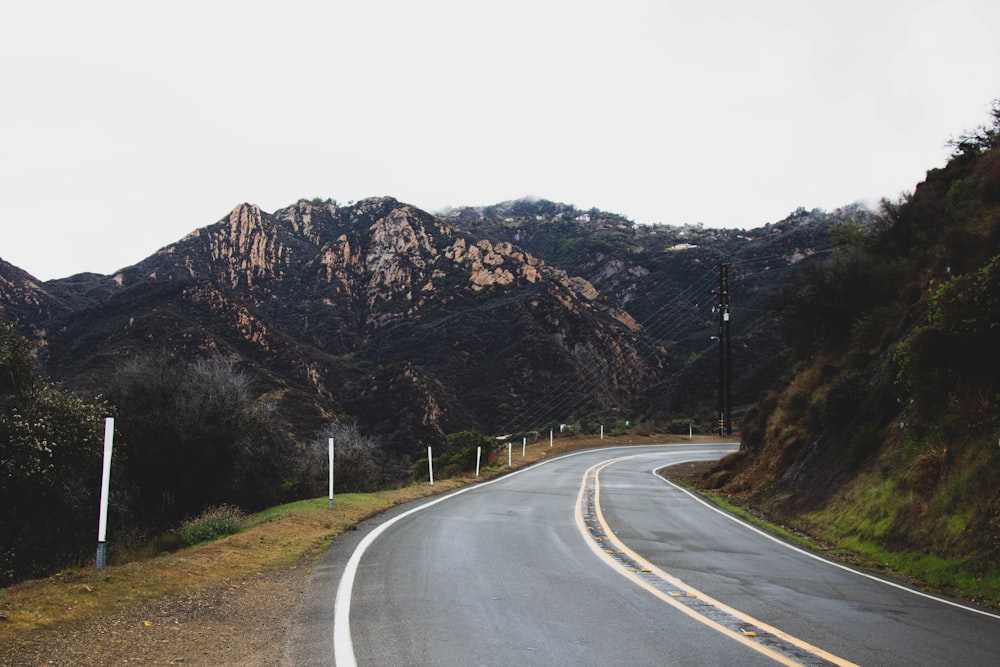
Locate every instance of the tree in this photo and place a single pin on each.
(982, 138)
(192, 435)
(50, 464)
(460, 455)
(361, 463)
(832, 294)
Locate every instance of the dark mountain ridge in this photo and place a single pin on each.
(507, 318)
(341, 311)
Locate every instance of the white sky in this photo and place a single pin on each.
(125, 125)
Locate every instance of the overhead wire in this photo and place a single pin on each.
(660, 325)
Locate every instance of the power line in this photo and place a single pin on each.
(661, 325)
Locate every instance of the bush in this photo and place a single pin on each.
(958, 350)
(844, 396)
(360, 463)
(460, 453)
(833, 295)
(51, 445)
(193, 435)
(863, 442)
(212, 524)
(420, 471)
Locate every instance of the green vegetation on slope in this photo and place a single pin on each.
(886, 437)
(50, 464)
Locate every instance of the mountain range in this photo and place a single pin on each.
(511, 318)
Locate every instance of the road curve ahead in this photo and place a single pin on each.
(591, 559)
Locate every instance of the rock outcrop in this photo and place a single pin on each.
(318, 299)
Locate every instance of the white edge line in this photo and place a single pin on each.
(343, 645)
(815, 556)
(764, 648)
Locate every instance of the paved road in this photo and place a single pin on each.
(591, 559)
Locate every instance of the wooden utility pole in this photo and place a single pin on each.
(725, 358)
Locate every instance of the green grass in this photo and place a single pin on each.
(850, 537)
(285, 536)
(212, 524)
(749, 517)
(965, 578)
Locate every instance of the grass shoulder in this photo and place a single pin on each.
(289, 535)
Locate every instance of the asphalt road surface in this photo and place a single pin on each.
(592, 559)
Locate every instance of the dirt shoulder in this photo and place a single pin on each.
(238, 622)
(687, 473)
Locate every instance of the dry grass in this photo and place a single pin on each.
(282, 537)
(286, 536)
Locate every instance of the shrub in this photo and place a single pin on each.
(213, 523)
(420, 470)
(865, 440)
(193, 435)
(460, 453)
(361, 463)
(843, 397)
(50, 464)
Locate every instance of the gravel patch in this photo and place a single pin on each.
(241, 622)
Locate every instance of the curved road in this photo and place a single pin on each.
(591, 559)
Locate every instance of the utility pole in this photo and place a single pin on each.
(725, 359)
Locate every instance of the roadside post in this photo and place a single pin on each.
(430, 466)
(102, 523)
(331, 471)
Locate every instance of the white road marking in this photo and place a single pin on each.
(343, 645)
(832, 563)
(785, 646)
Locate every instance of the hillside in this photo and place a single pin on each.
(665, 277)
(515, 317)
(341, 311)
(885, 436)
(29, 301)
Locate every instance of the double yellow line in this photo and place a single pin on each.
(740, 627)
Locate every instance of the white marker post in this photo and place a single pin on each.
(550, 438)
(524, 446)
(102, 524)
(690, 431)
(331, 472)
(479, 454)
(509, 462)
(430, 466)
(602, 431)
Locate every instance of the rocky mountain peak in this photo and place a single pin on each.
(342, 309)
(27, 300)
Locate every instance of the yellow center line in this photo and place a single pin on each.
(741, 627)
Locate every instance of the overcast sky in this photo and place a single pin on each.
(126, 125)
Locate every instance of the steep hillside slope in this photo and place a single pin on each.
(507, 318)
(30, 302)
(666, 276)
(887, 432)
(343, 311)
